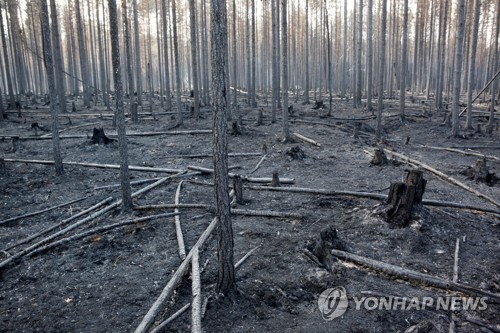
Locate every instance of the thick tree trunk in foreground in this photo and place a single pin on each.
(120, 114)
(226, 282)
(47, 56)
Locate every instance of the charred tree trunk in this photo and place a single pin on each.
(404, 199)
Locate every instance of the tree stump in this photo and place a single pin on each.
(235, 128)
(404, 199)
(260, 116)
(3, 168)
(296, 153)
(275, 182)
(480, 173)
(73, 106)
(379, 157)
(322, 248)
(133, 112)
(238, 189)
(318, 105)
(99, 138)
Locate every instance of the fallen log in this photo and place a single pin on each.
(95, 231)
(178, 228)
(12, 219)
(468, 153)
(306, 139)
(96, 165)
(442, 175)
(376, 196)
(244, 178)
(245, 257)
(258, 164)
(482, 90)
(414, 276)
(170, 319)
(157, 306)
(60, 224)
(210, 155)
(175, 206)
(196, 294)
(266, 213)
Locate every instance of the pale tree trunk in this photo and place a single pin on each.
(344, 55)
(248, 54)
(165, 53)
(194, 59)
(307, 88)
(12, 98)
(285, 135)
(128, 50)
(404, 63)
(92, 53)
(358, 58)
(176, 64)
(59, 65)
(472, 62)
(226, 282)
(204, 49)
(369, 57)
(275, 64)
(441, 54)
(100, 51)
(49, 68)
(491, 121)
(431, 51)
(455, 108)
(253, 102)
(159, 52)
(380, 107)
(138, 74)
(120, 112)
(82, 55)
(235, 60)
(329, 59)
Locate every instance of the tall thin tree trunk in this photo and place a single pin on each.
(120, 112)
(404, 63)
(58, 61)
(369, 58)
(253, 101)
(358, 58)
(138, 74)
(12, 98)
(128, 50)
(284, 40)
(49, 68)
(165, 53)
(178, 86)
(275, 69)
(226, 282)
(472, 62)
(307, 88)
(194, 58)
(82, 55)
(383, 29)
(458, 68)
(491, 121)
(235, 59)
(344, 55)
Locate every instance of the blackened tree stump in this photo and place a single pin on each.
(238, 189)
(480, 173)
(379, 157)
(133, 112)
(275, 182)
(99, 138)
(404, 199)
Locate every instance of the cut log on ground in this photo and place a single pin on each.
(443, 176)
(306, 139)
(196, 294)
(414, 276)
(178, 228)
(266, 213)
(16, 218)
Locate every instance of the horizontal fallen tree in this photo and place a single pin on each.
(96, 165)
(464, 152)
(411, 275)
(375, 196)
(244, 178)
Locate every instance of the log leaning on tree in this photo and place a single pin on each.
(411, 275)
(450, 179)
(244, 178)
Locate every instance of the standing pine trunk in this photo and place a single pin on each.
(83, 55)
(275, 63)
(369, 57)
(359, 73)
(12, 100)
(58, 62)
(120, 114)
(253, 101)
(380, 107)
(404, 63)
(307, 88)
(176, 64)
(344, 54)
(495, 69)
(128, 50)
(194, 59)
(165, 53)
(472, 62)
(226, 282)
(455, 108)
(138, 74)
(49, 68)
(235, 61)
(284, 41)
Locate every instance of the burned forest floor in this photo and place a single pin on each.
(107, 281)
